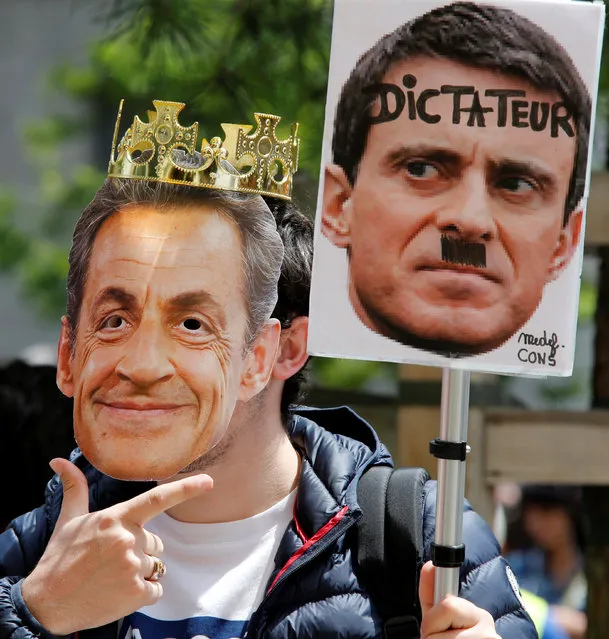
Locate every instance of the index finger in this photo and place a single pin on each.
(141, 509)
(426, 587)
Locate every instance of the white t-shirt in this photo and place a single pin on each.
(216, 576)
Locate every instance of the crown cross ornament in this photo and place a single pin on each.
(163, 150)
(271, 152)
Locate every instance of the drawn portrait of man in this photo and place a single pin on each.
(458, 168)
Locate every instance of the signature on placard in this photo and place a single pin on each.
(538, 349)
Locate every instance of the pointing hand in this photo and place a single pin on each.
(97, 566)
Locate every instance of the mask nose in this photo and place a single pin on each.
(468, 216)
(145, 359)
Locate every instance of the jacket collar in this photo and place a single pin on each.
(336, 446)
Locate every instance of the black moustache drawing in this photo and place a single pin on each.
(457, 251)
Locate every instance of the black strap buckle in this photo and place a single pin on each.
(447, 556)
(443, 449)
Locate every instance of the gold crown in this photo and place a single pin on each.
(165, 151)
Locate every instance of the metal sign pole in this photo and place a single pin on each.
(451, 449)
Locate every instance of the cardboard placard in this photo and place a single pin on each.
(455, 172)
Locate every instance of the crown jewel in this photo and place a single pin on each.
(165, 151)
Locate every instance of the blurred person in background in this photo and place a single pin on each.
(544, 617)
(545, 549)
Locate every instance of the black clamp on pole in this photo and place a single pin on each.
(442, 449)
(447, 556)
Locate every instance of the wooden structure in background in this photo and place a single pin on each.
(523, 446)
(597, 220)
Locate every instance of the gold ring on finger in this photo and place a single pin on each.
(158, 570)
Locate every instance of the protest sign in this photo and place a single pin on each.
(455, 173)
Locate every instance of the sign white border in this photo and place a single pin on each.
(335, 330)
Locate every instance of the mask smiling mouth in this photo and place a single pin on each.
(140, 406)
(462, 253)
(151, 406)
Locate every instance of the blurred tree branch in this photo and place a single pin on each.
(225, 59)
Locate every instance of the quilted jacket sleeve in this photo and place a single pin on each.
(486, 579)
(16, 561)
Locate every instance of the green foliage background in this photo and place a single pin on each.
(225, 59)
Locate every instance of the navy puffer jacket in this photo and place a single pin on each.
(314, 591)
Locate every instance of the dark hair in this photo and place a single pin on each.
(479, 36)
(296, 232)
(561, 497)
(262, 251)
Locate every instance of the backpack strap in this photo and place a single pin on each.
(390, 545)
